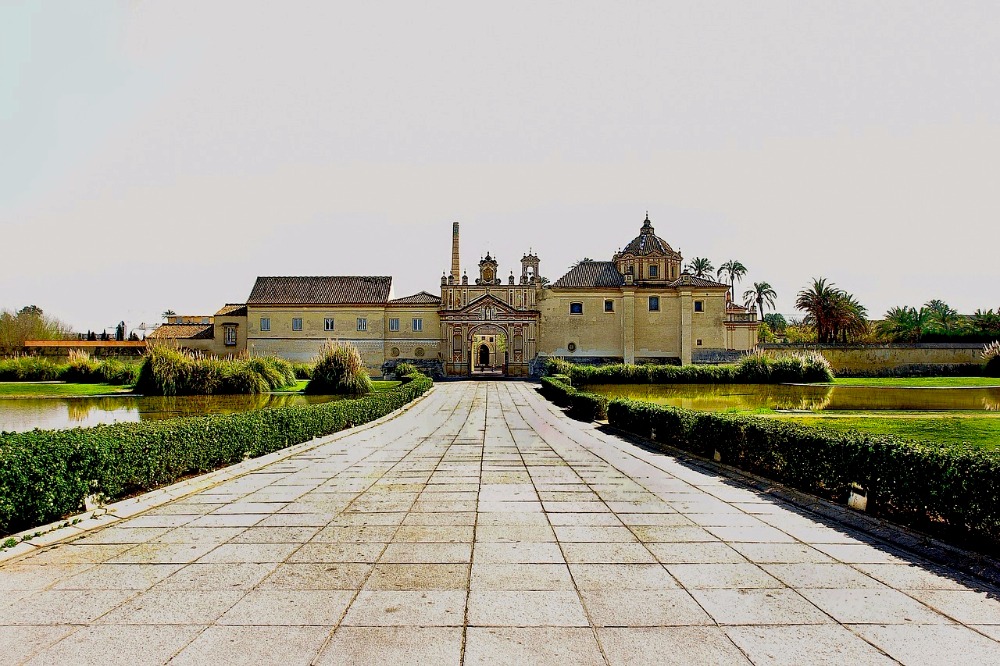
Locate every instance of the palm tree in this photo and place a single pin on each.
(903, 324)
(168, 313)
(584, 260)
(700, 267)
(735, 270)
(761, 294)
(835, 314)
(942, 318)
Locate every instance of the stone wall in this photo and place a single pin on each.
(884, 359)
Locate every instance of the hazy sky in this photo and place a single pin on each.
(159, 155)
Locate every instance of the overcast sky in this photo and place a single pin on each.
(162, 155)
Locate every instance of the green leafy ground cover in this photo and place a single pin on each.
(57, 390)
(930, 382)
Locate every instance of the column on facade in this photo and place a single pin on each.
(685, 323)
(628, 325)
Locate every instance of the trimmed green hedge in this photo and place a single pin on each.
(752, 369)
(949, 490)
(45, 474)
(582, 406)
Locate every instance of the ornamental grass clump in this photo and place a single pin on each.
(339, 370)
(991, 354)
(169, 371)
(25, 368)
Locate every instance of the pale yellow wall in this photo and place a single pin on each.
(708, 326)
(219, 346)
(657, 334)
(410, 344)
(595, 332)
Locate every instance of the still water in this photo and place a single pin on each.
(720, 397)
(21, 414)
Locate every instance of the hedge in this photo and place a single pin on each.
(46, 474)
(953, 491)
(754, 368)
(582, 406)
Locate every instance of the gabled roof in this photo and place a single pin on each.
(419, 298)
(321, 290)
(591, 274)
(688, 280)
(232, 310)
(182, 332)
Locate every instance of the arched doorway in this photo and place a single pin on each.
(487, 345)
(484, 356)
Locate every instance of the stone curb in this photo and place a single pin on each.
(65, 529)
(977, 565)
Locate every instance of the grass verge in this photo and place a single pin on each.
(47, 390)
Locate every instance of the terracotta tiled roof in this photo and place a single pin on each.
(688, 280)
(419, 298)
(232, 310)
(338, 289)
(591, 274)
(182, 332)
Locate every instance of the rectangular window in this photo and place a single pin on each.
(699, 306)
(230, 335)
(654, 303)
(265, 323)
(328, 324)
(699, 342)
(609, 305)
(418, 325)
(654, 271)
(393, 325)
(576, 308)
(296, 323)
(362, 324)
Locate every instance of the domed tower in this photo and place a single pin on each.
(648, 258)
(488, 271)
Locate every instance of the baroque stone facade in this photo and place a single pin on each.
(638, 307)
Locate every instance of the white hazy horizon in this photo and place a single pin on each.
(160, 156)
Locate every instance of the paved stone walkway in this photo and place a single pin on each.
(483, 526)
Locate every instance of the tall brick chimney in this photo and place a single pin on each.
(455, 269)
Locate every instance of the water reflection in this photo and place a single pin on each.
(720, 397)
(23, 414)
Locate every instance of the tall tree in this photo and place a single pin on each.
(168, 313)
(941, 317)
(584, 260)
(762, 294)
(775, 322)
(835, 314)
(735, 270)
(902, 324)
(700, 267)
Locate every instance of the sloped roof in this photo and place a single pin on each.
(182, 332)
(688, 280)
(232, 310)
(419, 298)
(591, 274)
(321, 290)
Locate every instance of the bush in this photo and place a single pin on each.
(582, 406)
(991, 354)
(754, 368)
(403, 369)
(45, 474)
(169, 371)
(339, 370)
(950, 490)
(302, 370)
(28, 368)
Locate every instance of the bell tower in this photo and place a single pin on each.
(488, 271)
(529, 268)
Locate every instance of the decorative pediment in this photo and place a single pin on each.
(485, 307)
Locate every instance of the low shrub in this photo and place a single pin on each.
(403, 369)
(582, 406)
(991, 355)
(28, 369)
(339, 370)
(169, 371)
(949, 490)
(45, 474)
(754, 368)
(302, 370)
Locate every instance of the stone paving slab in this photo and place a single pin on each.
(480, 525)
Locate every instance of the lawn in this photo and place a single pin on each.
(969, 428)
(57, 389)
(922, 382)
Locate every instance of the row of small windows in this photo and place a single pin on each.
(417, 324)
(576, 307)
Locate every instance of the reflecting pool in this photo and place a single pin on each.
(722, 397)
(21, 414)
